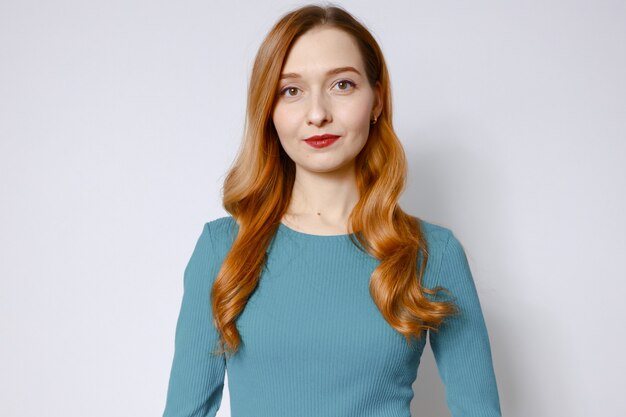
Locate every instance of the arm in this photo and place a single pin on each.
(197, 376)
(461, 346)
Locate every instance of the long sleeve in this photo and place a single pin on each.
(461, 346)
(197, 375)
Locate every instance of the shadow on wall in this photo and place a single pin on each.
(430, 397)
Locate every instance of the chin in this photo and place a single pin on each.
(325, 167)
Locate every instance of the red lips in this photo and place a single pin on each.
(321, 137)
(321, 141)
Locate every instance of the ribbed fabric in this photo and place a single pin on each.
(314, 344)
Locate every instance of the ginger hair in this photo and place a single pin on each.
(258, 186)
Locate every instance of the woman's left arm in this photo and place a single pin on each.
(461, 345)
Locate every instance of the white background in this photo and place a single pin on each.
(119, 119)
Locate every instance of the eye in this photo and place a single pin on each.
(345, 85)
(286, 90)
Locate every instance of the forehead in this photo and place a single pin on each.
(322, 48)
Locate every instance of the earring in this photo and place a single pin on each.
(373, 122)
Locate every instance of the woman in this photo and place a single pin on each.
(317, 292)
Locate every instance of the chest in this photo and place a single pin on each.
(318, 312)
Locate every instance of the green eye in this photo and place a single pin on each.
(346, 83)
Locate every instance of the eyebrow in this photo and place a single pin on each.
(331, 72)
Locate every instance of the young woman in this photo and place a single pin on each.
(318, 291)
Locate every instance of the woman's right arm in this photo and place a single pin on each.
(197, 375)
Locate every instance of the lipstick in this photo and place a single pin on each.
(322, 141)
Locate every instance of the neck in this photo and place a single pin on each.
(326, 198)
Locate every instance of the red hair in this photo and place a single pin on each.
(257, 191)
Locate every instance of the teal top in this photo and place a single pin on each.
(314, 343)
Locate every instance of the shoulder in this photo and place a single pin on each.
(445, 252)
(212, 245)
(437, 236)
(222, 225)
(222, 232)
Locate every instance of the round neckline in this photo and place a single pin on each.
(289, 230)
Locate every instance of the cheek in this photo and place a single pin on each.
(285, 129)
(281, 122)
(358, 114)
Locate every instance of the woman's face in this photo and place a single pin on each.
(324, 90)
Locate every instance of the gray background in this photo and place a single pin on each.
(119, 119)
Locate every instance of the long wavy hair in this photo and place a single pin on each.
(258, 186)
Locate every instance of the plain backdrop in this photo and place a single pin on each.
(119, 119)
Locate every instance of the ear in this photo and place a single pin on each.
(378, 100)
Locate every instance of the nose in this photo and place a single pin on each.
(319, 110)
